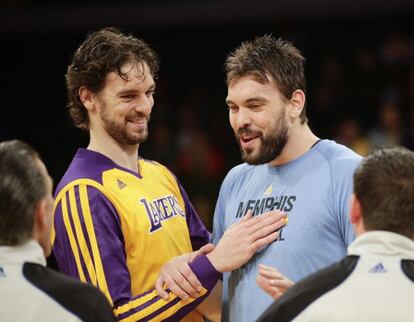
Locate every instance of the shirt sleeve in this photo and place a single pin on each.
(89, 245)
(220, 211)
(343, 171)
(199, 235)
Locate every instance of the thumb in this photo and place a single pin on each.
(203, 250)
(206, 249)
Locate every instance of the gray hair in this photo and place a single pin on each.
(22, 186)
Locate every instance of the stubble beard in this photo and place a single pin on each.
(270, 146)
(119, 132)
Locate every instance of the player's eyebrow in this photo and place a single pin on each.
(127, 92)
(257, 99)
(134, 91)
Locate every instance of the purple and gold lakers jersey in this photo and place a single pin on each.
(115, 229)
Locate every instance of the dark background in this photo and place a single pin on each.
(360, 70)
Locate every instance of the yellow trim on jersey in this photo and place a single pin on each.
(103, 286)
(145, 312)
(173, 309)
(153, 307)
(80, 236)
(140, 301)
(52, 229)
(72, 238)
(78, 182)
(99, 274)
(86, 182)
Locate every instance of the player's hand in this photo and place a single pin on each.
(177, 276)
(272, 281)
(242, 240)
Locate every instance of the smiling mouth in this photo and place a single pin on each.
(137, 121)
(247, 139)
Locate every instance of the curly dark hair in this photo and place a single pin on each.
(267, 56)
(102, 52)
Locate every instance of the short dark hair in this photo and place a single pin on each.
(102, 52)
(266, 56)
(22, 186)
(384, 185)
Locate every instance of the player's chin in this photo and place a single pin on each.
(139, 140)
(136, 138)
(142, 137)
(249, 157)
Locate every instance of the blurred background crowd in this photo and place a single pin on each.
(360, 71)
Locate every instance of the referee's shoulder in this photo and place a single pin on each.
(307, 291)
(83, 300)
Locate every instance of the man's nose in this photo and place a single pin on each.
(243, 118)
(144, 104)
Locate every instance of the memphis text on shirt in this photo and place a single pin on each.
(162, 209)
(282, 203)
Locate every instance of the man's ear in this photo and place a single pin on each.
(40, 218)
(297, 102)
(355, 214)
(42, 224)
(87, 98)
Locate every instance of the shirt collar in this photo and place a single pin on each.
(382, 243)
(27, 252)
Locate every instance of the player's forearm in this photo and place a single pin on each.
(211, 306)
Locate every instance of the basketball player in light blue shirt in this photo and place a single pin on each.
(287, 167)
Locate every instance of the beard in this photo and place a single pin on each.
(119, 131)
(271, 145)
